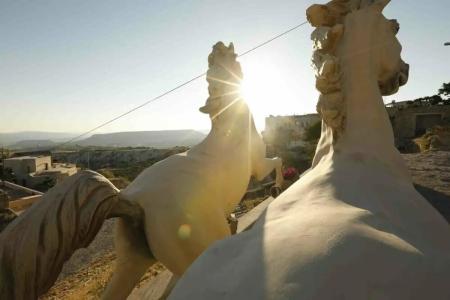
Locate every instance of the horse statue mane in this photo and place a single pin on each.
(224, 57)
(331, 51)
(328, 21)
(223, 76)
(334, 11)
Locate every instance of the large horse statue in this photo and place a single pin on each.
(353, 226)
(187, 197)
(172, 212)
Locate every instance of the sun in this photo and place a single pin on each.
(262, 88)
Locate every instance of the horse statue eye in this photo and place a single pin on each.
(395, 26)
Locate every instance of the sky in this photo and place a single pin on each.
(68, 66)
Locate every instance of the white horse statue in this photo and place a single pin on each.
(187, 197)
(353, 226)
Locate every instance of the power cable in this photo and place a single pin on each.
(175, 88)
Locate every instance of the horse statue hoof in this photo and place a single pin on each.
(275, 191)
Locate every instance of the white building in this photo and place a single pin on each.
(31, 171)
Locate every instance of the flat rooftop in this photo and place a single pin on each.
(25, 157)
(15, 191)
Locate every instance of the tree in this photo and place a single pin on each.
(312, 133)
(445, 90)
(7, 174)
(283, 137)
(435, 100)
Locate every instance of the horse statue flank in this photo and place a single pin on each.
(187, 197)
(353, 226)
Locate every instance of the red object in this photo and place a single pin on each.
(290, 173)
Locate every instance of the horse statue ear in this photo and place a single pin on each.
(319, 15)
(379, 5)
(231, 47)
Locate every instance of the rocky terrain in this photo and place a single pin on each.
(431, 174)
(86, 274)
(113, 158)
(11, 138)
(35, 140)
(156, 139)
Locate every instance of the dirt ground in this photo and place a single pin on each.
(88, 271)
(431, 175)
(86, 274)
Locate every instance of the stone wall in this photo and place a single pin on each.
(23, 166)
(288, 131)
(411, 122)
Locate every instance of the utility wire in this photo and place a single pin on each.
(175, 88)
(130, 111)
(272, 39)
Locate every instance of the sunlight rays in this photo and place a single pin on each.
(263, 88)
(224, 81)
(225, 108)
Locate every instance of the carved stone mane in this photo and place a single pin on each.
(225, 58)
(333, 12)
(223, 76)
(329, 41)
(327, 70)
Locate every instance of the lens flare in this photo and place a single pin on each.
(184, 231)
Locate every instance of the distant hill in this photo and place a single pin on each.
(32, 144)
(156, 139)
(11, 138)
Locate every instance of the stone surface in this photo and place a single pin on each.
(155, 288)
(246, 221)
(187, 197)
(353, 226)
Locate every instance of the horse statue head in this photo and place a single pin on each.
(392, 72)
(224, 77)
(357, 61)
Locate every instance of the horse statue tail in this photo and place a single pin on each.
(35, 245)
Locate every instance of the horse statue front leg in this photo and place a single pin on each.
(264, 167)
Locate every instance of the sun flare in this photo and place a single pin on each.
(262, 87)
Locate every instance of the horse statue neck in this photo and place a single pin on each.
(355, 120)
(368, 128)
(234, 122)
